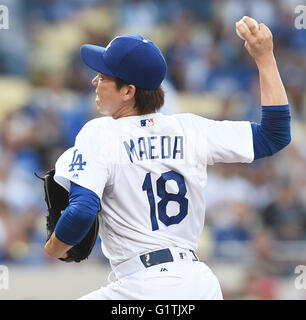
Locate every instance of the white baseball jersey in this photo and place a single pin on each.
(150, 173)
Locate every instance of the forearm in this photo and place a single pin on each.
(271, 86)
(55, 248)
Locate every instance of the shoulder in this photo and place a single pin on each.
(97, 123)
(189, 119)
(186, 116)
(94, 128)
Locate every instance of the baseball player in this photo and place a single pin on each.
(148, 170)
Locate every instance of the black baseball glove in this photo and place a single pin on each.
(57, 199)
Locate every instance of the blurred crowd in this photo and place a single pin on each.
(256, 213)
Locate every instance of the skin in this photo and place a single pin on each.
(111, 101)
(120, 103)
(55, 248)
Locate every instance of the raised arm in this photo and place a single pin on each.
(273, 133)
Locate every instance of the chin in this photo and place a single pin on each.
(102, 110)
(99, 106)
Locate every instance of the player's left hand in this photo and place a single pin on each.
(259, 42)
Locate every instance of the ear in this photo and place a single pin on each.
(128, 92)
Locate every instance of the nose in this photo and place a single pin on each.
(95, 80)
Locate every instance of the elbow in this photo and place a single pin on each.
(282, 145)
(286, 141)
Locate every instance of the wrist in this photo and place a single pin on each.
(265, 61)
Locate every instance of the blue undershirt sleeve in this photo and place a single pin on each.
(273, 133)
(78, 217)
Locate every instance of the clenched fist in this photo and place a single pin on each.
(259, 41)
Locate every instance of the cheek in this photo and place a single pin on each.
(103, 92)
(99, 90)
(108, 96)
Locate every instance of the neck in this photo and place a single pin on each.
(126, 111)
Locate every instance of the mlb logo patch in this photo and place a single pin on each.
(183, 255)
(147, 122)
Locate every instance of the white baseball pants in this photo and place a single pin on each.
(182, 279)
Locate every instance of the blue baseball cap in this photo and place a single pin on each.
(131, 58)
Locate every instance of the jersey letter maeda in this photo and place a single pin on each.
(155, 147)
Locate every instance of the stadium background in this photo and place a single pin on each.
(255, 230)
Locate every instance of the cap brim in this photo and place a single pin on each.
(93, 57)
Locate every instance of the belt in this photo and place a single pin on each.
(162, 256)
(153, 258)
